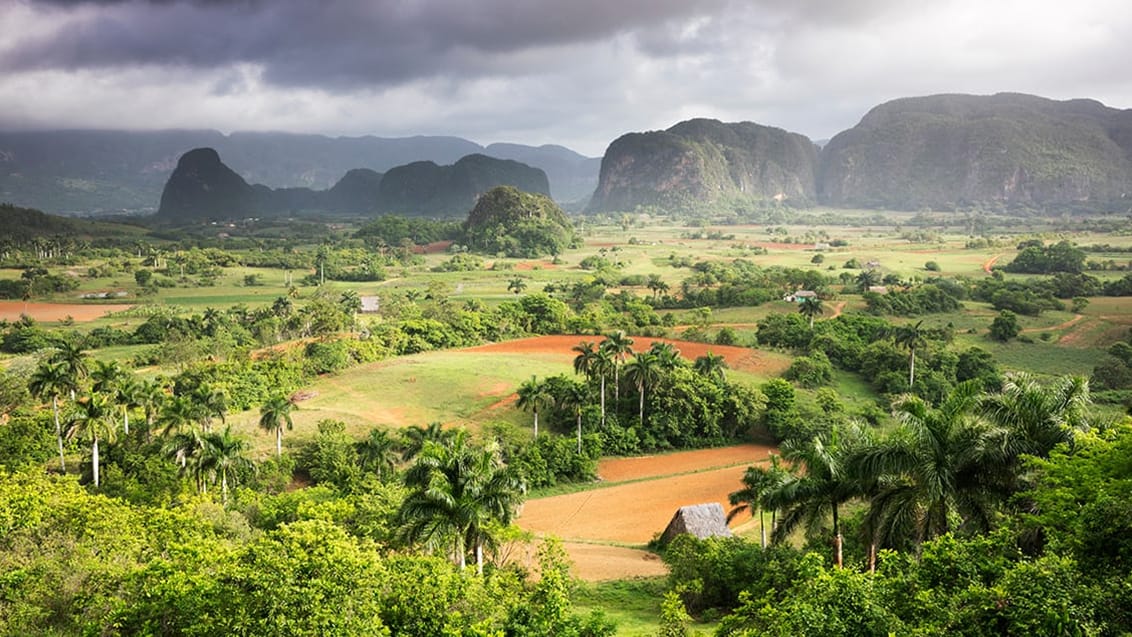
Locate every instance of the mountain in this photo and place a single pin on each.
(90, 171)
(703, 160)
(203, 187)
(945, 150)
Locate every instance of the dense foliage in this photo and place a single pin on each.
(513, 223)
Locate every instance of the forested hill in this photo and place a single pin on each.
(704, 160)
(88, 170)
(23, 225)
(204, 187)
(946, 150)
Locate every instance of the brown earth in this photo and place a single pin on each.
(432, 248)
(737, 358)
(11, 310)
(531, 265)
(990, 262)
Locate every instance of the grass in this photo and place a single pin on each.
(633, 604)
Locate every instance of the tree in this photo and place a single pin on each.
(867, 279)
(458, 494)
(74, 363)
(811, 307)
(93, 421)
(938, 463)
(1005, 326)
(618, 346)
(532, 395)
(51, 380)
(208, 403)
(351, 303)
(573, 398)
(225, 456)
(274, 415)
(151, 398)
(377, 452)
(516, 285)
(911, 337)
(758, 482)
(643, 370)
(656, 285)
(710, 365)
(416, 436)
(667, 356)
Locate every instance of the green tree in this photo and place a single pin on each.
(867, 279)
(415, 437)
(643, 371)
(758, 482)
(811, 307)
(1005, 326)
(377, 452)
(458, 495)
(532, 395)
(74, 362)
(911, 337)
(710, 365)
(516, 285)
(224, 456)
(93, 421)
(618, 346)
(592, 362)
(52, 380)
(274, 415)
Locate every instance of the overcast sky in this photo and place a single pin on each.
(572, 72)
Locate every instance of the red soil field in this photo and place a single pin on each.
(738, 358)
(11, 310)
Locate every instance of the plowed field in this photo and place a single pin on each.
(11, 310)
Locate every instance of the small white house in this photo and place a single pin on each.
(800, 296)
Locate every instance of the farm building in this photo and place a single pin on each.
(370, 304)
(700, 520)
(800, 296)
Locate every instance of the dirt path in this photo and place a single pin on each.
(1067, 324)
(11, 310)
(990, 262)
(837, 309)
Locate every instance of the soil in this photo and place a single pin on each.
(531, 265)
(432, 248)
(737, 358)
(11, 310)
(990, 262)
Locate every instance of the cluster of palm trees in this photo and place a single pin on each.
(92, 401)
(946, 468)
(613, 360)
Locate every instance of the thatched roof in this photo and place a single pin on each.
(700, 520)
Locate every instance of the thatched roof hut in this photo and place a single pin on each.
(700, 520)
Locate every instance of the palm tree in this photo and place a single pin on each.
(377, 452)
(532, 395)
(618, 346)
(415, 438)
(184, 446)
(106, 376)
(572, 398)
(643, 370)
(223, 455)
(938, 463)
(151, 398)
(274, 415)
(516, 285)
(208, 403)
(94, 421)
(811, 307)
(820, 483)
(667, 356)
(592, 362)
(656, 285)
(758, 481)
(867, 279)
(130, 394)
(176, 413)
(50, 379)
(911, 337)
(74, 363)
(458, 494)
(710, 365)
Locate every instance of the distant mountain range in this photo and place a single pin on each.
(88, 171)
(941, 152)
(202, 186)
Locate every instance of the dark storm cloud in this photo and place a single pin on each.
(339, 43)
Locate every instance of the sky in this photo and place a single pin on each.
(578, 73)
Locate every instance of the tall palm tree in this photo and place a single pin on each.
(532, 395)
(667, 356)
(151, 398)
(644, 370)
(820, 483)
(274, 415)
(74, 363)
(377, 452)
(208, 403)
(811, 307)
(516, 285)
(912, 338)
(867, 279)
(458, 494)
(50, 379)
(225, 456)
(93, 421)
(184, 447)
(619, 346)
(602, 365)
(940, 462)
(572, 398)
(130, 394)
(415, 437)
(177, 412)
(106, 376)
(758, 482)
(710, 365)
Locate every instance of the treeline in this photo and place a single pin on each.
(990, 514)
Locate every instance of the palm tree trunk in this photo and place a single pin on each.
(603, 401)
(94, 460)
(616, 384)
(279, 442)
(837, 557)
(579, 432)
(224, 487)
(58, 433)
(762, 526)
(479, 557)
(912, 369)
(811, 321)
(873, 556)
(126, 420)
(641, 414)
(536, 424)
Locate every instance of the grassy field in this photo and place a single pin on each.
(633, 604)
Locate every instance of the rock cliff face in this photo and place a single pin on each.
(202, 187)
(704, 160)
(947, 150)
